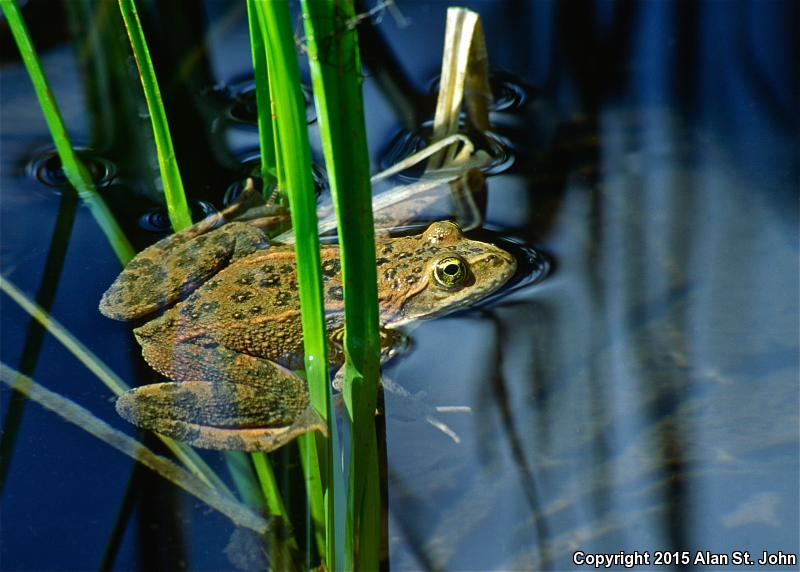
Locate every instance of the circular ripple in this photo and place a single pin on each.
(405, 144)
(242, 107)
(46, 168)
(157, 220)
(533, 266)
(235, 189)
(251, 165)
(509, 93)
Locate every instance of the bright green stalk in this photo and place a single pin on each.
(269, 486)
(294, 156)
(75, 171)
(265, 133)
(173, 186)
(336, 77)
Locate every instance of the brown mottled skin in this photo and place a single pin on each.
(233, 333)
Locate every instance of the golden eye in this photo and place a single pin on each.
(450, 272)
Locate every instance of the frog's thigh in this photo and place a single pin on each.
(205, 359)
(216, 415)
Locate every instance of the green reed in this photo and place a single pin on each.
(175, 198)
(293, 159)
(266, 137)
(336, 77)
(75, 171)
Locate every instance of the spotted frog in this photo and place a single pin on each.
(219, 314)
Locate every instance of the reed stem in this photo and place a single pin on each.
(336, 78)
(177, 207)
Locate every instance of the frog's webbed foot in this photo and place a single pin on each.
(222, 416)
(174, 267)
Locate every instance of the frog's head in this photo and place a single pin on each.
(437, 272)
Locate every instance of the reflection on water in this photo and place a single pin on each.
(643, 396)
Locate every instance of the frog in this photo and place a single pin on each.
(216, 311)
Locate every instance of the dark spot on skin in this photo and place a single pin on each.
(238, 315)
(286, 268)
(293, 286)
(396, 285)
(241, 296)
(331, 268)
(417, 270)
(381, 261)
(245, 280)
(256, 310)
(209, 345)
(270, 281)
(387, 249)
(403, 255)
(411, 279)
(336, 293)
(389, 273)
(212, 285)
(282, 298)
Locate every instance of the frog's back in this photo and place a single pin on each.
(251, 307)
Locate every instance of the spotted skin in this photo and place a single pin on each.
(230, 333)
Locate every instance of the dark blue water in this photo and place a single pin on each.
(644, 396)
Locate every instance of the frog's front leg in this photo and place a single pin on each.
(175, 266)
(222, 400)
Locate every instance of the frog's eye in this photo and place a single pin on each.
(450, 272)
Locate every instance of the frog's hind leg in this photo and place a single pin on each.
(221, 399)
(221, 416)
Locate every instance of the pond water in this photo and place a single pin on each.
(643, 396)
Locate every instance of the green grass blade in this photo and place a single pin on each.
(337, 92)
(74, 170)
(295, 177)
(266, 139)
(173, 186)
(265, 132)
